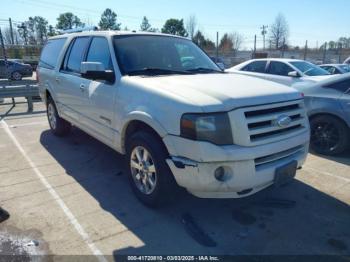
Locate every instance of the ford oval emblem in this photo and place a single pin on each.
(283, 121)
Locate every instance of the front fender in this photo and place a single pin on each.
(142, 117)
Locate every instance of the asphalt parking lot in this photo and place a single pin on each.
(70, 196)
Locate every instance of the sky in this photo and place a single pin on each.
(314, 20)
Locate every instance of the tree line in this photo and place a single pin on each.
(37, 29)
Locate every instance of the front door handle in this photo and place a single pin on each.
(82, 87)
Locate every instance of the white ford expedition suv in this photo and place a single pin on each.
(179, 119)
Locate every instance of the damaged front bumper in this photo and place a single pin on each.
(247, 170)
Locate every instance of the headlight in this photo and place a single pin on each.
(214, 128)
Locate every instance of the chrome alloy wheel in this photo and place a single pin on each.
(51, 114)
(143, 170)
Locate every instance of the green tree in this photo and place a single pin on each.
(34, 30)
(68, 21)
(40, 25)
(109, 20)
(175, 27)
(145, 25)
(51, 31)
(204, 43)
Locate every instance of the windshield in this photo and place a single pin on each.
(310, 69)
(346, 68)
(150, 54)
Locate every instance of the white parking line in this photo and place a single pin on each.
(56, 197)
(326, 173)
(28, 124)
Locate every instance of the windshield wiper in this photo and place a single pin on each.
(156, 71)
(204, 70)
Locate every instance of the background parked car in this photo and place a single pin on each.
(335, 69)
(284, 71)
(219, 61)
(328, 106)
(15, 70)
(347, 61)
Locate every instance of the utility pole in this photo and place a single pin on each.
(217, 47)
(340, 51)
(264, 32)
(254, 52)
(283, 47)
(324, 52)
(305, 51)
(11, 31)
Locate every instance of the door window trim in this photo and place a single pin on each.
(110, 54)
(68, 52)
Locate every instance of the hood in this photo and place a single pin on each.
(218, 92)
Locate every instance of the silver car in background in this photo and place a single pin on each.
(336, 69)
(328, 106)
(281, 70)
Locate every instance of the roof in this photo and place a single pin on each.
(112, 33)
(280, 59)
(334, 65)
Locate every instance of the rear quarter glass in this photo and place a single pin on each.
(51, 52)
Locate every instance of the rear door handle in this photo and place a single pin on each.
(57, 79)
(82, 87)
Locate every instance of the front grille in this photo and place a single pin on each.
(262, 121)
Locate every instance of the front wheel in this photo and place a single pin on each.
(58, 125)
(329, 135)
(149, 175)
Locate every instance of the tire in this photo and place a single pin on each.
(17, 76)
(58, 125)
(329, 135)
(162, 177)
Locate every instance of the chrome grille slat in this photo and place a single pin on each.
(271, 116)
(254, 131)
(278, 156)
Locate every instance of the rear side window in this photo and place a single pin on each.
(279, 68)
(256, 66)
(76, 54)
(342, 86)
(50, 53)
(99, 52)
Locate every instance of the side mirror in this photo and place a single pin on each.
(96, 71)
(221, 66)
(293, 74)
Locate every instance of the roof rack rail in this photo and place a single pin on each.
(78, 30)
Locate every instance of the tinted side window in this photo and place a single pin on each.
(76, 54)
(279, 68)
(257, 66)
(50, 53)
(99, 52)
(342, 86)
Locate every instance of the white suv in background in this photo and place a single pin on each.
(179, 119)
(281, 70)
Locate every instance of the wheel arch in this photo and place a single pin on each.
(138, 121)
(311, 117)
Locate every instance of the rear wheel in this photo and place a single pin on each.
(16, 76)
(58, 125)
(149, 175)
(329, 135)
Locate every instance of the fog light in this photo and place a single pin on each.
(220, 174)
